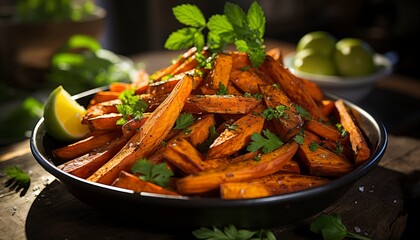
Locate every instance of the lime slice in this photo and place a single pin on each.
(63, 116)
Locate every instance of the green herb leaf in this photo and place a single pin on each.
(232, 233)
(18, 179)
(268, 144)
(332, 228)
(256, 19)
(301, 111)
(181, 39)
(131, 106)
(158, 174)
(222, 90)
(299, 139)
(231, 126)
(184, 120)
(278, 112)
(189, 15)
(219, 24)
(341, 129)
(313, 146)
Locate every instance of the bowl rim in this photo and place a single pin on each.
(38, 152)
(383, 64)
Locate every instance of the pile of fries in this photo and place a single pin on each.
(210, 157)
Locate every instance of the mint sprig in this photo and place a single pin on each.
(245, 30)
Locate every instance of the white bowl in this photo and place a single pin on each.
(351, 88)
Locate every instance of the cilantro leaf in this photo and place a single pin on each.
(332, 228)
(189, 15)
(184, 120)
(158, 174)
(268, 144)
(232, 233)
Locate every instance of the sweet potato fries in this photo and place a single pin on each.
(230, 131)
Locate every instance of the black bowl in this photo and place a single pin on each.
(193, 212)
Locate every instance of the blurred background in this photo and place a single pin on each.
(388, 25)
(31, 43)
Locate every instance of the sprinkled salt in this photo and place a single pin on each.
(357, 229)
(362, 188)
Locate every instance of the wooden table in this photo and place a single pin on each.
(382, 204)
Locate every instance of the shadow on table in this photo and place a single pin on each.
(56, 214)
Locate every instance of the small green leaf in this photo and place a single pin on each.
(242, 46)
(219, 24)
(222, 90)
(184, 120)
(301, 111)
(189, 15)
(332, 228)
(181, 39)
(236, 15)
(268, 144)
(256, 19)
(158, 174)
(313, 146)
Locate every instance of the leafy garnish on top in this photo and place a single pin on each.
(244, 30)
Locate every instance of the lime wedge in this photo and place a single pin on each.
(63, 116)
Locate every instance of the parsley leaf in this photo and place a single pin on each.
(313, 146)
(158, 174)
(299, 138)
(268, 144)
(184, 120)
(278, 112)
(131, 106)
(18, 179)
(332, 228)
(232, 233)
(301, 111)
(341, 129)
(222, 90)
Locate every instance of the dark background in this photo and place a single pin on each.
(390, 26)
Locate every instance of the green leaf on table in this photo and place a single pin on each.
(232, 233)
(332, 228)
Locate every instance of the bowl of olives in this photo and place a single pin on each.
(347, 67)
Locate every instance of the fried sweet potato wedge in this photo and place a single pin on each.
(184, 156)
(247, 81)
(274, 184)
(85, 145)
(104, 96)
(359, 145)
(320, 161)
(220, 73)
(238, 137)
(313, 90)
(323, 130)
(132, 182)
(224, 104)
(291, 85)
(153, 131)
(105, 122)
(210, 180)
(290, 123)
(157, 76)
(85, 165)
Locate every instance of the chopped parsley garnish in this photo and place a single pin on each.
(268, 143)
(313, 146)
(231, 126)
(339, 148)
(278, 112)
(340, 128)
(299, 138)
(184, 120)
(305, 114)
(231, 233)
(131, 106)
(156, 173)
(245, 30)
(256, 95)
(222, 90)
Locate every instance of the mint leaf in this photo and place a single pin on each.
(219, 24)
(189, 15)
(236, 15)
(256, 19)
(181, 39)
